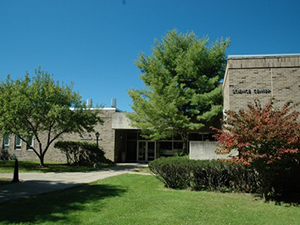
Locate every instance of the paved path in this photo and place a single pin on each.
(38, 183)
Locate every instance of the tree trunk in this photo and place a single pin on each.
(184, 143)
(184, 147)
(41, 157)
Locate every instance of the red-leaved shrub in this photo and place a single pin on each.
(267, 138)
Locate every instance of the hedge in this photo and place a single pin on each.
(82, 153)
(180, 172)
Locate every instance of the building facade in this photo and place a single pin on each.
(261, 77)
(250, 77)
(120, 142)
(247, 78)
(13, 146)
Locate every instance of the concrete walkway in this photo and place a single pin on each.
(38, 183)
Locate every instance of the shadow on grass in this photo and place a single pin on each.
(7, 166)
(57, 206)
(4, 181)
(288, 199)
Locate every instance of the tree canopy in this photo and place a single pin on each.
(43, 109)
(182, 86)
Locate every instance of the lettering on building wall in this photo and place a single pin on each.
(262, 91)
(249, 91)
(241, 91)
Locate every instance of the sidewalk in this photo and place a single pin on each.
(38, 183)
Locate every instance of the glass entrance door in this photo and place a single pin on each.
(146, 151)
(141, 151)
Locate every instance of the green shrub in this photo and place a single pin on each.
(281, 180)
(82, 153)
(173, 171)
(178, 172)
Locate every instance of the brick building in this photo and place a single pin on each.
(120, 142)
(246, 78)
(250, 77)
(262, 77)
(12, 145)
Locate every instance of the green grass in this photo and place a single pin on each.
(29, 167)
(138, 199)
(4, 181)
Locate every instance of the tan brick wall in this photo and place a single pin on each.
(21, 154)
(106, 141)
(226, 100)
(279, 74)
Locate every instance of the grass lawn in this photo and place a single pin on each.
(140, 199)
(25, 166)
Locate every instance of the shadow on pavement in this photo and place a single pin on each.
(34, 187)
(55, 206)
(126, 166)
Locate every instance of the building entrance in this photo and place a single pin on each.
(146, 151)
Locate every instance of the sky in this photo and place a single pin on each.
(94, 43)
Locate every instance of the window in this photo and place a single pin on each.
(195, 137)
(165, 148)
(18, 143)
(177, 137)
(165, 145)
(177, 145)
(132, 136)
(6, 141)
(30, 144)
(208, 137)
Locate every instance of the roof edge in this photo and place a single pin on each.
(263, 56)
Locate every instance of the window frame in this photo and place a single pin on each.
(19, 146)
(31, 146)
(6, 145)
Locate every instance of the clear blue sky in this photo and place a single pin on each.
(94, 43)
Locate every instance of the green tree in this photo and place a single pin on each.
(40, 108)
(183, 90)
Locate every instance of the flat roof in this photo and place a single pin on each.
(104, 109)
(263, 56)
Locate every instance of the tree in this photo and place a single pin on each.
(183, 91)
(262, 135)
(40, 108)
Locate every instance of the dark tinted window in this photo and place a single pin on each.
(177, 145)
(208, 137)
(131, 135)
(177, 137)
(195, 137)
